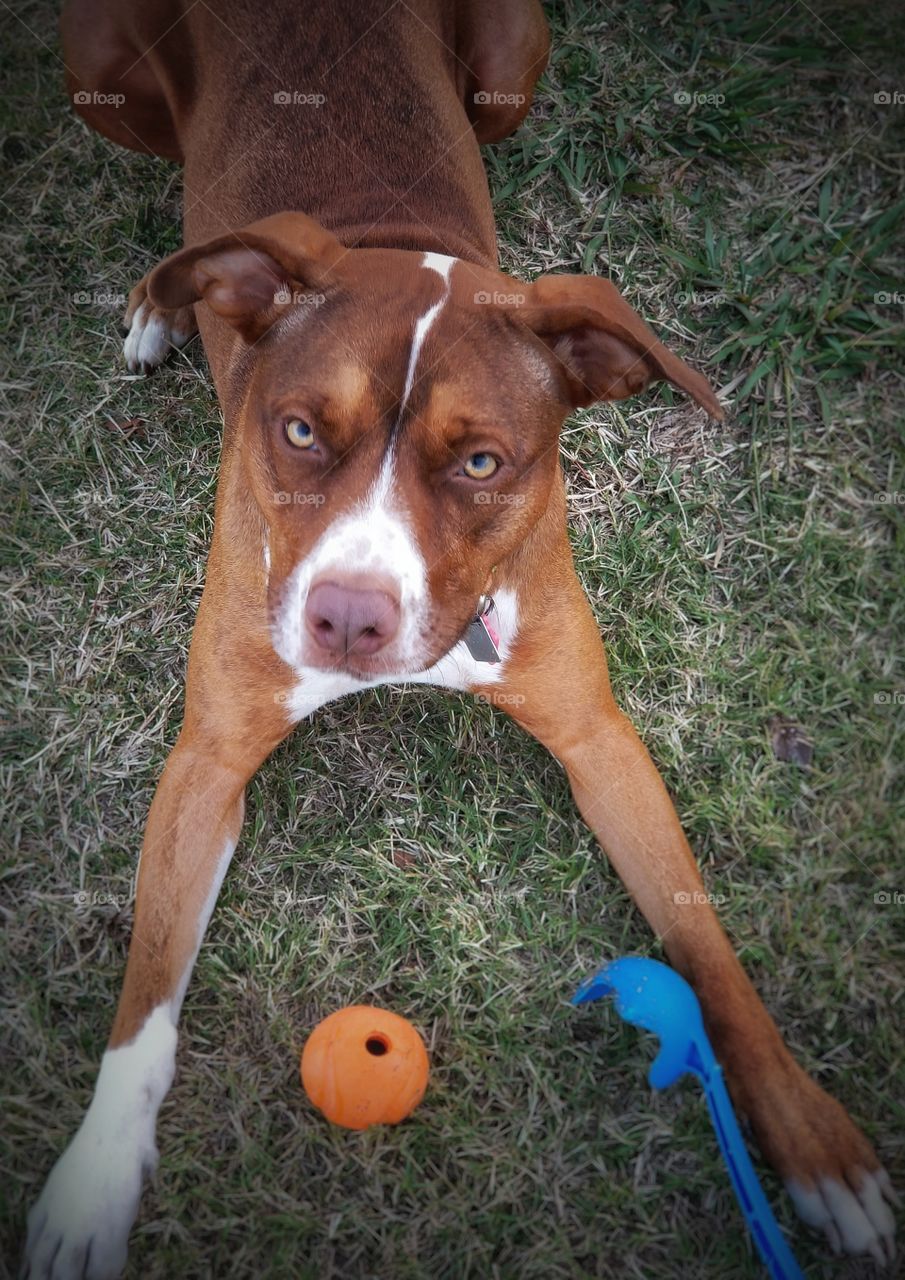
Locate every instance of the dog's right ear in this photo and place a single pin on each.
(247, 276)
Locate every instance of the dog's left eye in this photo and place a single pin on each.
(299, 434)
(481, 466)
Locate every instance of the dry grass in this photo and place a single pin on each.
(738, 573)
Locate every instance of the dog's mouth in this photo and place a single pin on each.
(359, 666)
(357, 663)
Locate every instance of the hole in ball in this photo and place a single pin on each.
(377, 1044)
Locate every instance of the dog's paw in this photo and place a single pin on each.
(831, 1171)
(152, 334)
(79, 1228)
(854, 1214)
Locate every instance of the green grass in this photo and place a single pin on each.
(418, 851)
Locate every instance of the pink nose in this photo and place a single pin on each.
(351, 619)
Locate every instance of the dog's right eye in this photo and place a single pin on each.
(299, 434)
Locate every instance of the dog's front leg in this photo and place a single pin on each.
(556, 685)
(80, 1225)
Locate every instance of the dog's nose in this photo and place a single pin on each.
(351, 619)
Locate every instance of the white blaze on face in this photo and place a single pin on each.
(443, 266)
(374, 538)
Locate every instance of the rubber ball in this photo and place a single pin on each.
(363, 1065)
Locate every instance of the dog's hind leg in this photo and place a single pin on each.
(503, 49)
(110, 50)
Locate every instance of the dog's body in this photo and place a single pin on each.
(377, 370)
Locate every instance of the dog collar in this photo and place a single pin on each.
(483, 634)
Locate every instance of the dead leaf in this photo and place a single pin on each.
(790, 742)
(131, 427)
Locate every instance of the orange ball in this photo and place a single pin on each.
(364, 1066)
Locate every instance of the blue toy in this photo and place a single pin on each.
(651, 995)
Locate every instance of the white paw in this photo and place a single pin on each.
(152, 335)
(79, 1228)
(854, 1221)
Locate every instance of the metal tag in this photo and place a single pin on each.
(482, 636)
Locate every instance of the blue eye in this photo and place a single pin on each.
(299, 434)
(481, 466)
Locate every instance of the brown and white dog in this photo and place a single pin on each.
(392, 405)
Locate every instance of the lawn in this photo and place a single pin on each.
(739, 170)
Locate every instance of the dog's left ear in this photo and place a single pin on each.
(604, 348)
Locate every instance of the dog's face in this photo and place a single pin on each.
(403, 444)
(399, 426)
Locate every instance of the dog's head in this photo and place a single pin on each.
(398, 424)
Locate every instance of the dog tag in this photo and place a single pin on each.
(482, 636)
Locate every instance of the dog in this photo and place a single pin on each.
(390, 505)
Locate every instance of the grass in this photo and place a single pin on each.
(419, 851)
